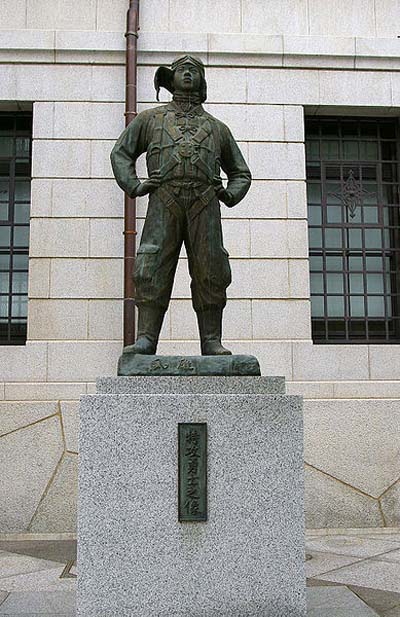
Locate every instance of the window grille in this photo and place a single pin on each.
(15, 180)
(353, 216)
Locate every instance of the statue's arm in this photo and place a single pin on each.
(235, 167)
(129, 146)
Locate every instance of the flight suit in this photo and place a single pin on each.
(186, 150)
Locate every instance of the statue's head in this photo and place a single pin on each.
(186, 75)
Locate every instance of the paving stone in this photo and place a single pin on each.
(28, 459)
(358, 546)
(39, 581)
(60, 603)
(379, 600)
(14, 565)
(57, 511)
(336, 602)
(16, 415)
(330, 503)
(390, 505)
(321, 563)
(383, 575)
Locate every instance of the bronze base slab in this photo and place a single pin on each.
(130, 365)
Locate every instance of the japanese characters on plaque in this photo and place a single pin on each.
(192, 441)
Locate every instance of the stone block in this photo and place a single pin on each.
(70, 420)
(26, 363)
(106, 238)
(89, 40)
(294, 122)
(355, 441)
(275, 357)
(390, 505)
(223, 90)
(281, 319)
(8, 83)
(86, 278)
(87, 198)
(297, 232)
(236, 320)
(14, 416)
(299, 278)
(105, 319)
(387, 16)
(355, 18)
(285, 17)
(52, 237)
(28, 458)
(191, 16)
(384, 361)
(366, 389)
(275, 161)
(269, 239)
(13, 14)
(329, 362)
(252, 122)
(88, 120)
(57, 319)
(236, 235)
(320, 46)
(266, 199)
(43, 120)
(61, 15)
(57, 510)
(246, 433)
(68, 158)
(82, 361)
(355, 88)
(240, 48)
(309, 389)
(108, 84)
(47, 82)
(259, 278)
(39, 278)
(296, 200)
(329, 503)
(40, 197)
(277, 86)
(2, 391)
(100, 159)
(43, 391)
(190, 385)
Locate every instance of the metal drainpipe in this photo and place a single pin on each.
(130, 232)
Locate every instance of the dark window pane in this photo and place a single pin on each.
(22, 190)
(24, 123)
(22, 168)
(6, 124)
(4, 262)
(21, 236)
(389, 150)
(19, 282)
(4, 236)
(388, 130)
(6, 146)
(349, 128)
(368, 129)
(20, 262)
(330, 128)
(4, 282)
(21, 213)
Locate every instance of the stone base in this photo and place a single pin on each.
(135, 559)
(131, 364)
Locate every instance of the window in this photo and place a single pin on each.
(354, 228)
(15, 180)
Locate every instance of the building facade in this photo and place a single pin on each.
(311, 90)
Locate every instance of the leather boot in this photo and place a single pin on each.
(210, 328)
(149, 326)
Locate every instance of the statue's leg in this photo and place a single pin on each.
(155, 266)
(211, 275)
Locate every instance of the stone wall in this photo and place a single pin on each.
(266, 68)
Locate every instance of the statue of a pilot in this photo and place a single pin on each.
(185, 149)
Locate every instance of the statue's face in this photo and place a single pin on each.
(187, 78)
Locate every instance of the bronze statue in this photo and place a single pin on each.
(185, 149)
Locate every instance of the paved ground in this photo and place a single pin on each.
(350, 573)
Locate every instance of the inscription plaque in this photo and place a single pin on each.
(192, 454)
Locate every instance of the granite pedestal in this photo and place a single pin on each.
(134, 558)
